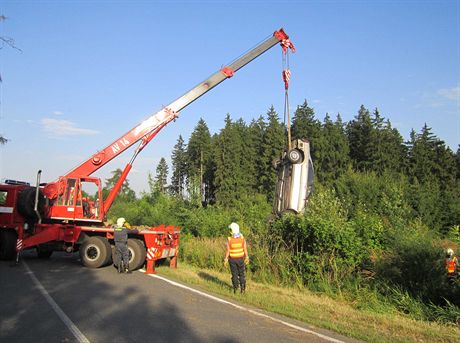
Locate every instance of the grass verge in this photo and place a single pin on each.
(317, 310)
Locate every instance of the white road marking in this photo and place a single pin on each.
(66, 320)
(296, 327)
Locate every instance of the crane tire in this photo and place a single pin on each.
(43, 253)
(8, 239)
(137, 253)
(26, 203)
(95, 252)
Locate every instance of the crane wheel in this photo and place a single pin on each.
(43, 252)
(137, 253)
(26, 203)
(8, 239)
(95, 252)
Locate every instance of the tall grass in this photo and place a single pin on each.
(272, 263)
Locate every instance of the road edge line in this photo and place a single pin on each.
(65, 319)
(293, 326)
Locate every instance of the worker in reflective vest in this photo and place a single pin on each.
(120, 236)
(451, 265)
(237, 257)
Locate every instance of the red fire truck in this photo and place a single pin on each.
(56, 216)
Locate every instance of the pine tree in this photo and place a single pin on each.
(179, 168)
(422, 157)
(273, 144)
(229, 174)
(377, 159)
(161, 177)
(359, 132)
(305, 126)
(444, 164)
(256, 131)
(198, 161)
(386, 149)
(395, 151)
(211, 170)
(125, 193)
(249, 156)
(432, 167)
(332, 151)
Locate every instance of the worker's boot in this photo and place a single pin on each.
(234, 289)
(243, 288)
(120, 267)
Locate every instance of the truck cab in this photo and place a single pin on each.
(11, 218)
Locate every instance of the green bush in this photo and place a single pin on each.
(415, 262)
(146, 211)
(385, 196)
(325, 246)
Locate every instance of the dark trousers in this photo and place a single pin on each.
(238, 270)
(122, 251)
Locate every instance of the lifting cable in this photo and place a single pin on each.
(286, 45)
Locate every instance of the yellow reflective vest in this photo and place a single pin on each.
(236, 247)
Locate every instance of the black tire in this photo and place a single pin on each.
(137, 253)
(43, 253)
(115, 260)
(295, 156)
(8, 238)
(95, 252)
(26, 203)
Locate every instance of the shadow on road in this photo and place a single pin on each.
(216, 280)
(106, 306)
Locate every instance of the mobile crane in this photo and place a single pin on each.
(57, 217)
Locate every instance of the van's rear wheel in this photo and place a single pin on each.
(295, 156)
(95, 252)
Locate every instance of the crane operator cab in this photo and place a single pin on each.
(295, 178)
(75, 199)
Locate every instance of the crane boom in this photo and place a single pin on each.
(66, 192)
(170, 112)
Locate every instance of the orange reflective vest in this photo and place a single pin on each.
(451, 265)
(236, 247)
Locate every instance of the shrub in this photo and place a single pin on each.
(415, 262)
(325, 246)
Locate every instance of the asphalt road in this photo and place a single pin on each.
(58, 300)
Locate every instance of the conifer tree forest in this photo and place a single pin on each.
(381, 216)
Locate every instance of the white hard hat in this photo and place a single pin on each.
(120, 221)
(235, 228)
(449, 252)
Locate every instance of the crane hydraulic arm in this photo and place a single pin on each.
(144, 132)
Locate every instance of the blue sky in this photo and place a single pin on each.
(88, 71)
